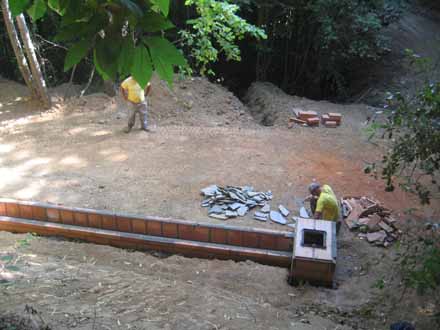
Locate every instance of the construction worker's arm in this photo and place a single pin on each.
(124, 93)
(319, 208)
(147, 89)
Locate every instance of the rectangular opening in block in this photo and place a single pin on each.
(313, 238)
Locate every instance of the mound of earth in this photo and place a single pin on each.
(270, 106)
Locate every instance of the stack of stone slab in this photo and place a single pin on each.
(229, 202)
(372, 220)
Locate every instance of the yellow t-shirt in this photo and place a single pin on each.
(135, 91)
(328, 204)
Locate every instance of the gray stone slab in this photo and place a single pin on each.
(285, 212)
(217, 209)
(231, 214)
(377, 237)
(218, 216)
(265, 208)
(277, 217)
(260, 215)
(235, 206)
(260, 219)
(242, 211)
(303, 213)
(210, 191)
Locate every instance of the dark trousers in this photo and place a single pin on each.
(142, 110)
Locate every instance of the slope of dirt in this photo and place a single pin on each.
(77, 154)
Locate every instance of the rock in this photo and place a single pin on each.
(277, 217)
(235, 206)
(373, 222)
(377, 237)
(242, 211)
(285, 212)
(303, 213)
(218, 216)
(257, 216)
(265, 208)
(292, 225)
(210, 191)
(217, 209)
(231, 214)
(385, 227)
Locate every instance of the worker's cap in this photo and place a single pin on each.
(313, 186)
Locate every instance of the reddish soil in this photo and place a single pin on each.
(76, 154)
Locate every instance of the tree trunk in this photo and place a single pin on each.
(18, 50)
(33, 61)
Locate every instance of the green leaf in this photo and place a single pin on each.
(154, 22)
(106, 56)
(164, 55)
(167, 50)
(163, 5)
(18, 6)
(141, 70)
(59, 6)
(103, 74)
(37, 10)
(125, 60)
(76, 53)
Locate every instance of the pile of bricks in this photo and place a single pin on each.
(312, 118)
(372, 220)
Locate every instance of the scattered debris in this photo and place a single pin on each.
(311, 118)
(265, 208)
(303, 213)
(372, 220)
(277, 217)
(285, 212)
(230, 202)
(260, 216)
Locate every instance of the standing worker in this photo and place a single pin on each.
(323, 202)
(135, 96)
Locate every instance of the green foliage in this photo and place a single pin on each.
(130, 37)
(216, 31)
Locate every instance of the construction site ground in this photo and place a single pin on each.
(77, 154)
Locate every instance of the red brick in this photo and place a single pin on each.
(335, 116)
(67, 217)
(138, 226)
(170, 230)
(95, 220)
(154, 228)
(108, 222)
(325, 118)
(81, 219)
(25, 211)
(267, 242)
(53, 215)
(201, 234)
(250, 240)
(284, 244)
(331, 124)
(123, 224)
(314, 121)
(304, 115)
(234, 237)
(12, 210)
(218, 236)
(2, 209)
(186, 232)
(39, 213)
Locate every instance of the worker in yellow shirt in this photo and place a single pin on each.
(323, 202)
(135, 96)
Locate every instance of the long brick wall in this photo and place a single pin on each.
(153, 226)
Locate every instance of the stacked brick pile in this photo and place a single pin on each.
(312, 118)
(372, 220)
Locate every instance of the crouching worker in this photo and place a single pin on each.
(323, 203)
(135, 96)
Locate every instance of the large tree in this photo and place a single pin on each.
(136, 37)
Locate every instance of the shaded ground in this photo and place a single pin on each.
(77, 154)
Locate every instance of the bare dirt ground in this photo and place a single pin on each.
(77, 154)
